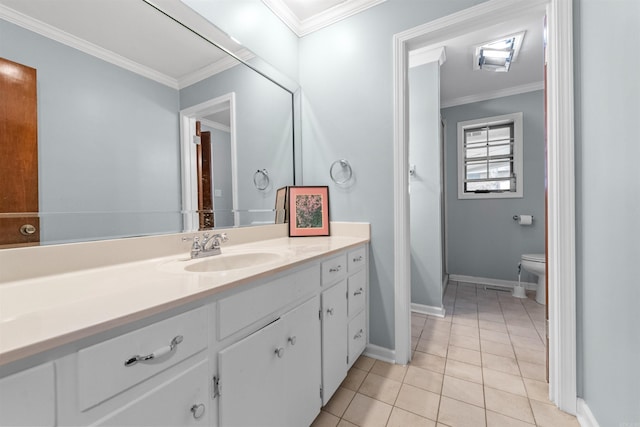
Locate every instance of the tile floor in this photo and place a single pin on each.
(482, 365)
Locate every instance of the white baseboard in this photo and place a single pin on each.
(498, 283)
(380, 353)
(584, 415)
(428, 309)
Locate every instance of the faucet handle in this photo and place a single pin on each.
(223, 237)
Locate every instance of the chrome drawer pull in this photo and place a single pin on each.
(279, 352)
(336, 269)
(358, 335)
(292, 340)
(358, 292)
(357, 259)
(197, 411)
(156, 354)
(330, 311)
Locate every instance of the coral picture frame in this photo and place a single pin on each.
(308, 211)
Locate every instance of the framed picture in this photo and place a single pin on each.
(282, 207)
(308, 211)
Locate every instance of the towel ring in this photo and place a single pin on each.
(340, 171)
(261, 179)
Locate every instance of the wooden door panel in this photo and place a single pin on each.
(18, 153)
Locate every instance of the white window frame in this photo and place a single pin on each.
(516, 119)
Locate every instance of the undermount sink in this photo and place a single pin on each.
(225, 262)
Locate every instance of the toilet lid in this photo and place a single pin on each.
(533, 257)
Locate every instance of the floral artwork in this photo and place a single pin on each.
(309, 210)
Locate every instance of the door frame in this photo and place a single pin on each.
(188, 118)
(560, 179)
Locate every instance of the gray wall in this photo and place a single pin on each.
(425, 186)
(483, 239)
(608, 208)
(107, 141)
(263, 134)
(346, 72)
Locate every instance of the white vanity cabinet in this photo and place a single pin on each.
(272, 377)
(152, 376)
(27, 398)
(344, 316)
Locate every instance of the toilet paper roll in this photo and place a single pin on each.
(525, 219)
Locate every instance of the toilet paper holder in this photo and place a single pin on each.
(517, 217)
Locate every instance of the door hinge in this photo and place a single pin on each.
(321, 392)
(347, 359)
(216, 387)
(320, 314)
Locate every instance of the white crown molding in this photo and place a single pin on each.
(215, 125)
(212, 69)
(426, 55)
(500, 93)
(321, 20)
(70, 40)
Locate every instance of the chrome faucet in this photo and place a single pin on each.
(210, 245)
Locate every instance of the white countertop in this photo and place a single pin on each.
(39, 314)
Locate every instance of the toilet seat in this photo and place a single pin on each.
(533, 257)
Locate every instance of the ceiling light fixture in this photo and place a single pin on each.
(499, 54)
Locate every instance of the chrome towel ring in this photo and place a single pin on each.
(261, 179)
(340, 171)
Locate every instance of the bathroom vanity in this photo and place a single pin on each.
(170, 341)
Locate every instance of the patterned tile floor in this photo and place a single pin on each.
(481, 365)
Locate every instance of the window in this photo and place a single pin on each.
(490, 157)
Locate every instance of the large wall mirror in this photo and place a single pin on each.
(126, 93)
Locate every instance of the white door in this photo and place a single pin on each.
(251, 376)
(334, 339)
(302, 358)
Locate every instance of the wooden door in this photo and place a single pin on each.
(205, 179)
(19, 222)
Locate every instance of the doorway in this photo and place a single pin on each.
(215, 119)
(560, 166)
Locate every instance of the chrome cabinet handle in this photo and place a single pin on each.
(358, 292)
(156, 354)
(358, 335)
(330, 311)
(357, 259)
(197, 410)
(292, 340)
(335, 269)
(279, 352)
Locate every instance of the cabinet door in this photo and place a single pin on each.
(334, 339)
(251, 375)
(181, 401)
(302, 357)
(28, 398)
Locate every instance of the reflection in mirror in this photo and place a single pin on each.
(109, 127)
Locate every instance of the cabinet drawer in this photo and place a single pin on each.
(357, 292)
(357, 337)
(181, 401)
(28, 398)
(241, 310)
(357, 258)
(102, 372)
(334, 269)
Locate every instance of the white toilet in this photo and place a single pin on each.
(535, 263)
